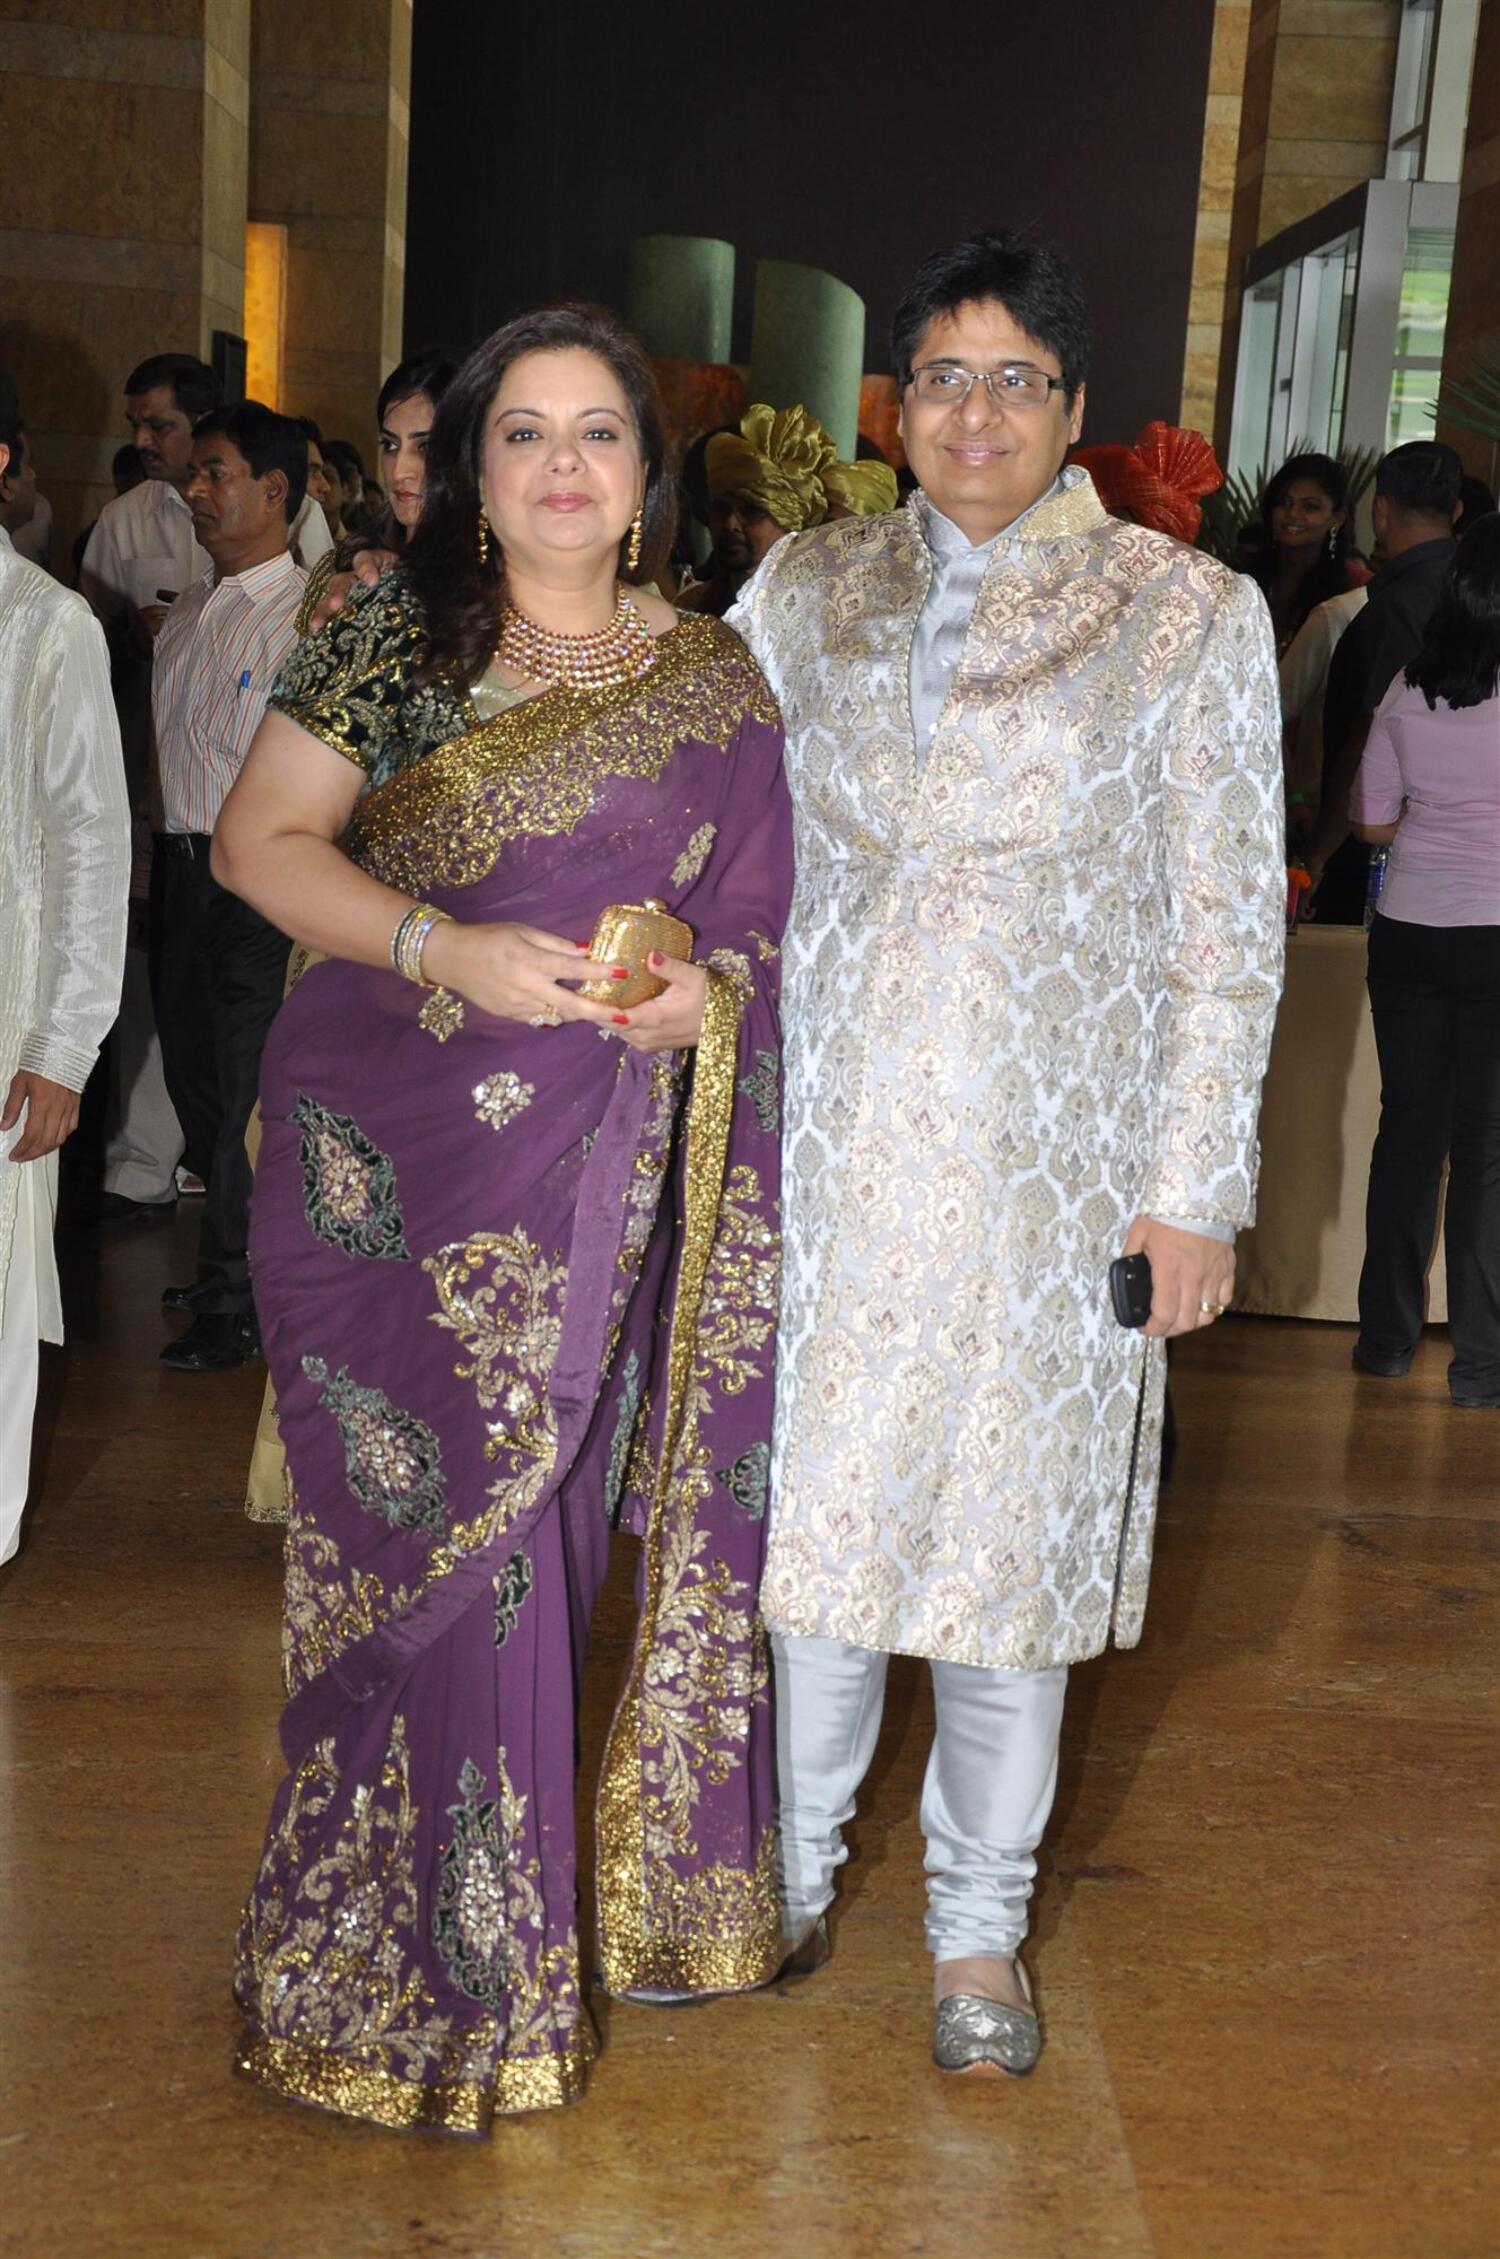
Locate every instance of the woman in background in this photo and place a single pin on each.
(1429, 787)
(1305, 558)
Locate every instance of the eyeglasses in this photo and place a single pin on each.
(1017, 385)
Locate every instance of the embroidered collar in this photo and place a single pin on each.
(1068, 508)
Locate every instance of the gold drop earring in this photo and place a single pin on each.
(484, 541)
(633, 553)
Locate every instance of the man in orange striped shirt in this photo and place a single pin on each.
(221, 967)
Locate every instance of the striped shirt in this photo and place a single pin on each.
(218, 654)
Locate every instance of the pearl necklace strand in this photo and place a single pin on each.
(621, 652)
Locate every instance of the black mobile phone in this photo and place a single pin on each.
(166, 596)
(1130, 1289)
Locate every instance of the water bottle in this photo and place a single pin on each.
(1375, 883)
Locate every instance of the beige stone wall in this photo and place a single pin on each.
(1314, 117)
(123, 158)
(1221, 139)
(1474, 306)
(328, 148)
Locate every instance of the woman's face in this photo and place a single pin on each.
(1304, 516)
(403, 456)
(561, 472)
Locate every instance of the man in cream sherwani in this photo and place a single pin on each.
(64, 870)
(1028, 990)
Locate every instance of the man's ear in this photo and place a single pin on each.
(275, 484)
(4, 470)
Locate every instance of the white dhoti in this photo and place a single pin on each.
(988, 1791)
(30, 1313)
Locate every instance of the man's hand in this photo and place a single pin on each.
(364, 573)
(51, 1115)
(146, 621)
(1192, 1278)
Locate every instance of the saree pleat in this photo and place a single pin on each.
(517, 1285)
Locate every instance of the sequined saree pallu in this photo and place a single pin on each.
(516, 1286)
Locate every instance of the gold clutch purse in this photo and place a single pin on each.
(626, 934)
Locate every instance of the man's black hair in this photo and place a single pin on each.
(194, 387)
(345, 456)
(1424, 478)
(1037, 286)
(309, 430)
(267, 441)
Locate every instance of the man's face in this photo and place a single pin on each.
(18, 488)
(235, 514)
(163, 435)
(981, 461)
(742, 532)
(321, 484)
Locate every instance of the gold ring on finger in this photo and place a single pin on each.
(1212, 1309)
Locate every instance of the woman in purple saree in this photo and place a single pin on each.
(516, 1282)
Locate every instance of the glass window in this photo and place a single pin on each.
(1426, 274)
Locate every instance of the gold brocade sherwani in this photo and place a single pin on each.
(1028, 990)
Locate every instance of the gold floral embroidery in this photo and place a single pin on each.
(329, 1973)
(735, 966)
(502, 1099)
(442, 1015)
(320, 1615)
(537, 769)
(765, 947)
(502, 1297)
(693, 857)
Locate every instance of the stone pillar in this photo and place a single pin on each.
(123, 156)
(1221, 138)
(1313, 122)
(1474, 301)
(807, 347)
(679, 296)
(331, 88)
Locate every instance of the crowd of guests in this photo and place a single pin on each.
(392, 758)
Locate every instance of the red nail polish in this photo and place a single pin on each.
(619, 972)
(620, 1019)
(585, 946)
(656, 957)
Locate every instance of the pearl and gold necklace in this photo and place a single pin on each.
(621, 652)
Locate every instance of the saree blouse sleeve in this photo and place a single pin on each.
(354, 686)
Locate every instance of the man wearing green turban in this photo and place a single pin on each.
(778, 474)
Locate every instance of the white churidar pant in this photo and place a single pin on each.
(987, 1794)
(29, 1311)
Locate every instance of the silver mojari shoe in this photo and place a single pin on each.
(986, 2037)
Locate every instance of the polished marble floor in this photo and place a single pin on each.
(1266, 1935)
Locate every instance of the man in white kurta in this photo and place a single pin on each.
(1028, 989)
(64, 870)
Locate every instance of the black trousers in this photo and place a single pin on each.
(219, 972)
(1435, 999)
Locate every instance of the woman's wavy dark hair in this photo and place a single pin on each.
(1330, 575)
(1460, 656)
(459, 596)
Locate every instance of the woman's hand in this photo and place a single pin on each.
(365, 571)
(672, 1021)
(1192, 1276)
(514, 972)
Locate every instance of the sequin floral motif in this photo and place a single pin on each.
(488, 1919)
(502, 1098)
(392, 1460)
(442, 1015)
(762, 1086)
(348, 1185)
(690, 862)
(511, 1587)
(502, 1297)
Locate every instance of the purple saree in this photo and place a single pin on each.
(517, 1284)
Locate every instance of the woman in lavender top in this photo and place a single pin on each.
(515, 1282)
(1429, 787)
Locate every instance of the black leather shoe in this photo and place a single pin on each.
(216, 1341)
(1380, 1364)
(182, 1297)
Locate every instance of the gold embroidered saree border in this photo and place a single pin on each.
(652, 1933)
(354, 2090)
